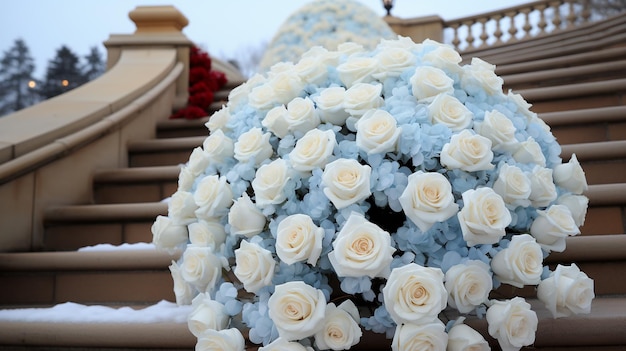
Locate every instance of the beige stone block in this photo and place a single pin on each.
(127, 193)
(16, 212)
(6, 151)
(74, 236)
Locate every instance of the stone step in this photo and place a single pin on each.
(607, 209)
(587, 125)
(137, 184)
(603, 162)
(576, 96)
(72, 227)
(179, 128)
(162, 152)
(119, 277)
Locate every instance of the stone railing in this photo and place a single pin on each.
(515, 24)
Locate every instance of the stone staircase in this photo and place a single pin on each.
(580, 93)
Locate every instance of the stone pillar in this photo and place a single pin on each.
(158, 27)
(418, 29)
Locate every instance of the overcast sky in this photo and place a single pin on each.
(222, 27)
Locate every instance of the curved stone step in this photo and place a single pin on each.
(162, 152)
(603, 162)
(587, 125)
(178, 128)
(137, 184)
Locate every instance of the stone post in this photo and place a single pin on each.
(418, 29)
(158, 27)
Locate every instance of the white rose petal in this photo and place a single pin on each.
(253, 144)
(329, 104)
(213, 197)
(500, 130)
(377, 132)
(312, 70)
(276, 121)
(428, 199)
(198, 161)
(286, 85)
(392, 62)
(553, 226)
(313, 150)
(449, 111)
(566, 291)
(444, 57)
(185, 179)
(577, 205)
(218, 147)
(513, 323)
(181, 208)
(297, 309)
(467, 151)
(482, 73)
(522, 105)
(262, 97)
(429, 82)
(341, 329)
(423, 337)
(222, 340)
(254, 266)
(220, 118)
(543, 190)
(301, 115)
(269, 182)
(357, 69)
(346, 182)
(361, 249)
(415, 294)
(206, 314)
(484, 217)
(281, 344)
(529, 151)
(201, 267)
(298, 239)
(461, 337)
(207, 233)
(571, 176)
(513, 185)
(468, 285)
(521, 263)
(182, 290)
(245, 218)
(362, 97)
(166, 235)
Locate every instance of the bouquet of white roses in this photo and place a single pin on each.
(370, 190)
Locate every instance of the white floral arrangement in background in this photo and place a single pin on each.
(325, 23)
(361, 190)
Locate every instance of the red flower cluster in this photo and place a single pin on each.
(203, 83)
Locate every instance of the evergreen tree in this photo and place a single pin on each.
(94, 64)
(63, 74)
(17, 86)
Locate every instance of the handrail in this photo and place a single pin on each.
(515, 23)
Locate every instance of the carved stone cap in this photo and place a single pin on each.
(150, 19)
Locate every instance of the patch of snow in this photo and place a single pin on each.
(125, 246)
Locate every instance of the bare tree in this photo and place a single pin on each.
(607, 8)
(247, 58)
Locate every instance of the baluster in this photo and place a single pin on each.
(571, 16)
(586, 13)
(527, 26)
(498, 32)
(513, 27)
(556, 5)
(455, 39)
(483, 35)
(470, 36)
(542, 24)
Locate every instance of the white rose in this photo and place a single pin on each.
(362, 97)
(423, 337)
(571, 176)
(361, 249)
(467, 151)
(577, 205)
(206, 314)
(468, 285)
(213, 196)
(254, 266)
(262, 97)
(543, 190)
(269, 182)
(392, 62)
(553, 226)
(185, 179)
(346, 182)
(222, 340)
(500, 130)
(253, 144)
(298, 239)
(312, 150)
(276, 121)
(513, 323)
(182, 290)
(415, 294)
(482, 73)
(357, 69)
(219, 119)
(428, 82)
(566, 291)
(444, 57)
(428, 199)
(513, 185)
(166, 235)
(484, 217)
(245, 218)
(519, 264)
(281, 344)
(301, 116)
(377, 132)
(218, 147)
(286, 86)
(198, 161)
(529, 151)
(280, 67)
(330, 105)
(209, 233)
(322, 55)
(522, 105)
(312, 70)
(462, 337)
(181, 208)
(449, 111)
(297, 309)
(201, 267)
(341, 328)
(348, 48)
